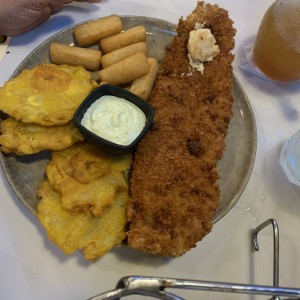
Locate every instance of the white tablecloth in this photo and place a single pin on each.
(31, 267)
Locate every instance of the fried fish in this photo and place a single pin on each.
(174, 191)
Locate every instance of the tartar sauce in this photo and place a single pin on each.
(114, 119)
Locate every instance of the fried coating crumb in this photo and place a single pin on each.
(174, 191)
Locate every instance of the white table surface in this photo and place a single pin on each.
(31, 267)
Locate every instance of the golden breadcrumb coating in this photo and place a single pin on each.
(174, 191)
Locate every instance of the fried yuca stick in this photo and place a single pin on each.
(75, 56)
(91, 33)
(130, 36)
(119, 54)
(126, 70)
(143, 85)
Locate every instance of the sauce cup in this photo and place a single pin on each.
(113, 118)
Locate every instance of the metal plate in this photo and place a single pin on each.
(25, 173)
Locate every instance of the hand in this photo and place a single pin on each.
(19, 16)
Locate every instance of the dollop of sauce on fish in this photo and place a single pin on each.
(201, 46)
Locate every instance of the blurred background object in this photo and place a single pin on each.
(277, 47)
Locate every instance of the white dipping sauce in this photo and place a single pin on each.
(114, 119)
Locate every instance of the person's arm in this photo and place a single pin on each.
(19, 16)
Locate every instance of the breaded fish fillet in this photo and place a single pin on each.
(174, 191)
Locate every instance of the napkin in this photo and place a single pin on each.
(3, 47)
